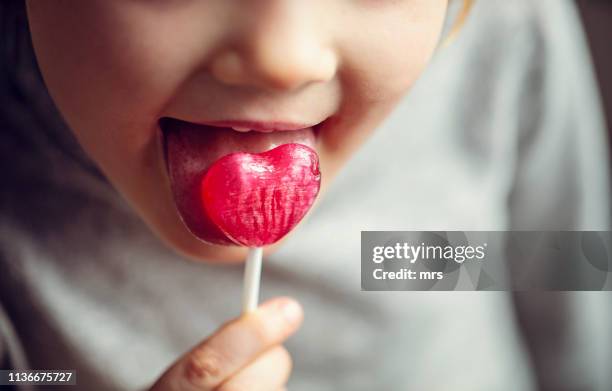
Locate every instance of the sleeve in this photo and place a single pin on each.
(11, 352)
(561, 182)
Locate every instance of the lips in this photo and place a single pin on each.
(265, 127)
(190, 150)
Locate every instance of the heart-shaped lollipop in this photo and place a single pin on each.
(256, 199)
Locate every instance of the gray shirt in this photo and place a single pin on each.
(502, 131)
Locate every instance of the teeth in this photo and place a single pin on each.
(241, 129)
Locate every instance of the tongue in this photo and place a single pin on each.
(210, 212)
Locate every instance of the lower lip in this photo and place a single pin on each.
(189, 149)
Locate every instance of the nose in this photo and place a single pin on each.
(277, 47)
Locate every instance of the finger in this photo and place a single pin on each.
(269, 371)
(240, 341)
(233, 346)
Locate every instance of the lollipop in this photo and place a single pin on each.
(257, 198)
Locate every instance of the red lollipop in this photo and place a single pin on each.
(257, 198)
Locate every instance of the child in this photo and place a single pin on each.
(92, 279)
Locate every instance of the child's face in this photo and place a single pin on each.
(115, 67)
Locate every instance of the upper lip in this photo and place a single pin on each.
(260, 126)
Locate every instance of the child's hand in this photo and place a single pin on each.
(243, 354)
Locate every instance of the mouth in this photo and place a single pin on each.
(189, 149)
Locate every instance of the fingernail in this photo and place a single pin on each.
(291, 310)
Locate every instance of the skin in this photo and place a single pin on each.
(115, 67)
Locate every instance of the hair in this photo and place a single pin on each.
(29, 119)
(464, 12)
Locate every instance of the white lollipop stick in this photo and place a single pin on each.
(252, 275)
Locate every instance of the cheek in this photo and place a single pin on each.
(384, 60)
(110, 66)
(379, 64)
